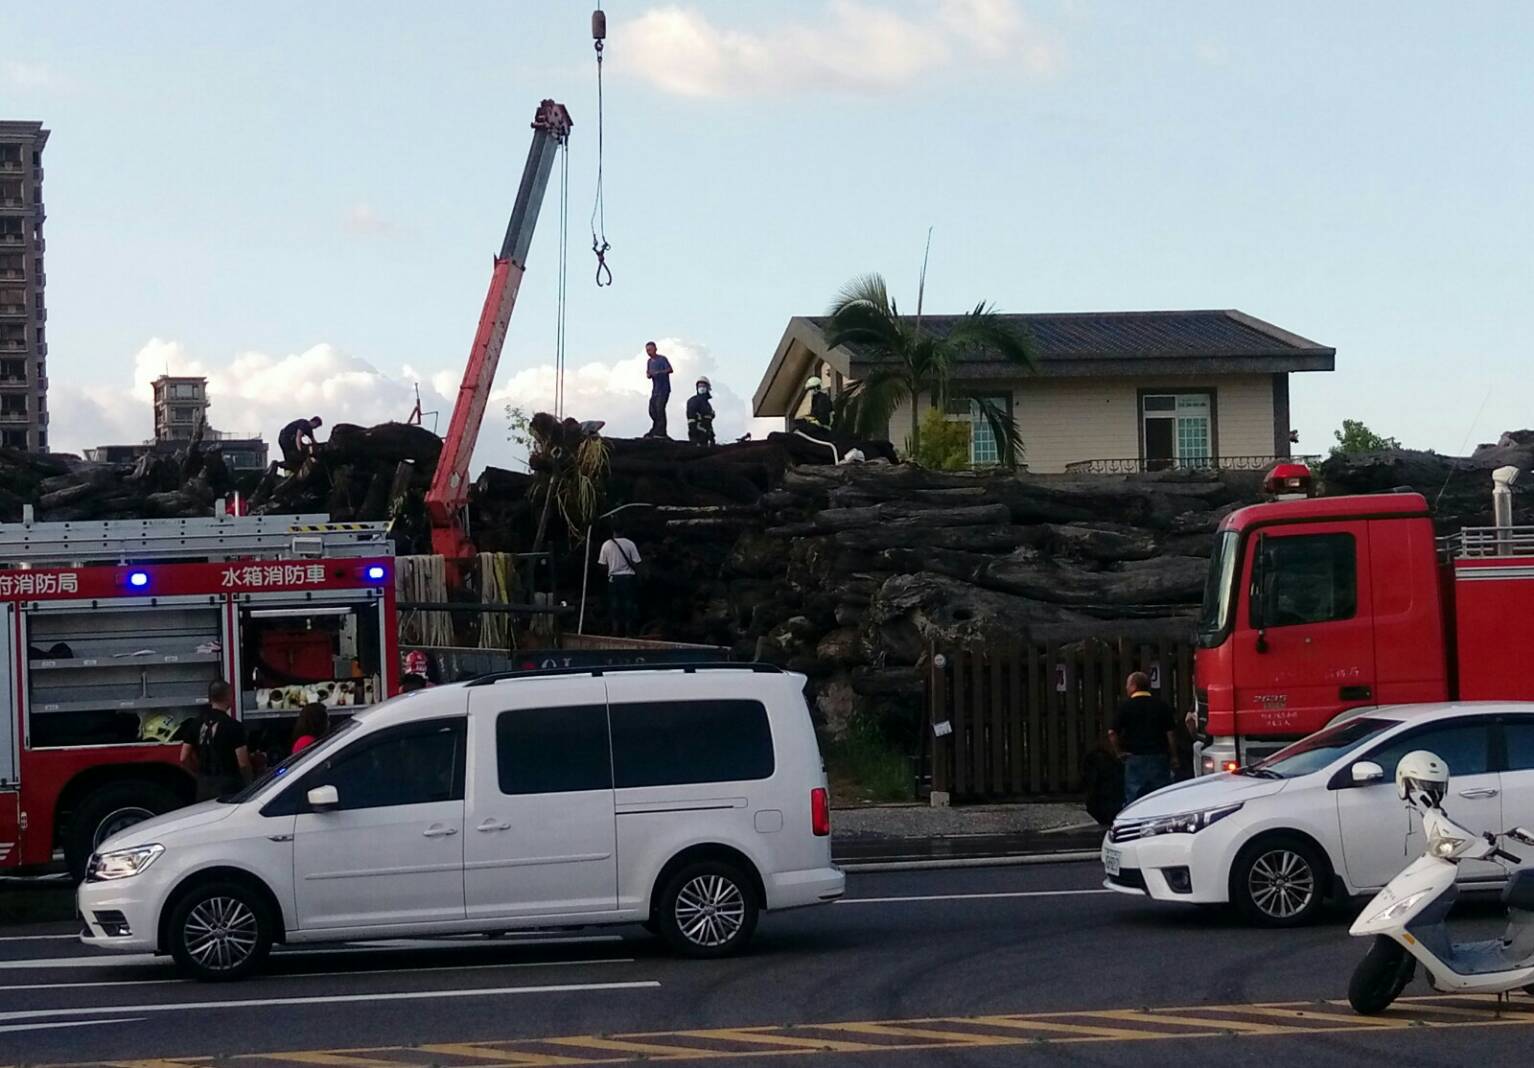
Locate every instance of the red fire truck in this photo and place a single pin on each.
(112, 632)
(1315, 606)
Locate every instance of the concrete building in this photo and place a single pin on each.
(23, 312)
(180, 406)
(1113, 392)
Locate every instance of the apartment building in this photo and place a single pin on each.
(23, 312)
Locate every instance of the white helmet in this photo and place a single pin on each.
(813, 383)
(1422, 776)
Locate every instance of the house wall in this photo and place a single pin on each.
(1064, 420)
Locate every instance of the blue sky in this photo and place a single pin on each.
(303, 200)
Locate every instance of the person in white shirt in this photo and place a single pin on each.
(620, 556)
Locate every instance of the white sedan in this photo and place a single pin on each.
(1321, 818)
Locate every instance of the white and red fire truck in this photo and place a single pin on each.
(1319, 605)
(112, 632)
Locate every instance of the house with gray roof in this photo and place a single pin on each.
(1113, 391)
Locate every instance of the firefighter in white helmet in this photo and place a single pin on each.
(821, 409)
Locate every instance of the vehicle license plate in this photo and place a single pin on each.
(1111, 858)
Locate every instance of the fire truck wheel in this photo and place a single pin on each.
(106, 811)
(219, 931)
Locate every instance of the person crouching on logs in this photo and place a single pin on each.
(700, 414)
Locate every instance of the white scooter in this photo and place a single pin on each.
(1407, 918)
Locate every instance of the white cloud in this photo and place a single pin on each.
(256, 392)
(853, 46)
(34, 76)
(362, 220)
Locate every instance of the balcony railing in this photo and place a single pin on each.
(12, 415)
(1137, 464)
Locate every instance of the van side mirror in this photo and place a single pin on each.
(322, 798)
(1366, 772)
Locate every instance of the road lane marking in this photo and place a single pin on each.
(331, 975)
(946, 1038)
(1069, 1031)
(330, 999)
(967, 897)
(768, 1037)
(1201, 1023)
(1303, 1013)
(108, 959)
(471, 1051)
(1173, 1023)
(8, 1028)
(339, 1060)
(39, 938)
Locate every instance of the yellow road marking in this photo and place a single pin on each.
(895, 1036)
(338, 1060)
(508, 1057)
(1202, 1023)
(770, 1037)
(647, 1049)
(899, 1030)
(1078, 1032)
(1299, 1013)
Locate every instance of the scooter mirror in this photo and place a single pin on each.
(1523, 834)
(1367, 771)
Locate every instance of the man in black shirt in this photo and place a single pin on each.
(1144, 737)
(296, 440)
(215, 750)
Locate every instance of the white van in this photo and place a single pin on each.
(688, 799)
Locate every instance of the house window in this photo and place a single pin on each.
(984, 449)
(1177, 430)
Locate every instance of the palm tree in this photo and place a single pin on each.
(908, 361)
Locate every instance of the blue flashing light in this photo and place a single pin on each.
(138, 579)
(375, 573)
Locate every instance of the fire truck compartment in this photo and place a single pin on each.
(329, 652)
(114, 675)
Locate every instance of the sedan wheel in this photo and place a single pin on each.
(1279, 882)
(707, 910)
(220, 932)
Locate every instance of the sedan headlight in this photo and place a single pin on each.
(121, 863)
(1186, 822)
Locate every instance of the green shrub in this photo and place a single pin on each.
(943, 444)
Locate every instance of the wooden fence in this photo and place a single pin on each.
(1018, 720)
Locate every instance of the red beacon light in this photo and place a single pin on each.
(1287, 482)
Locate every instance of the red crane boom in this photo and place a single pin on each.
(449, 491)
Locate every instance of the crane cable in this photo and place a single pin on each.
(564, 246)
(599, 244)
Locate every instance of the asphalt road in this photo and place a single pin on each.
(956, 967)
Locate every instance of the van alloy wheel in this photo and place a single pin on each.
(710, 910)
(221, 933)
(1281, 883)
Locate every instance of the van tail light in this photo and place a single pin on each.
(820, 812)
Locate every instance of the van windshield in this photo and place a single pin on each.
(283, 768)
(1219, 590)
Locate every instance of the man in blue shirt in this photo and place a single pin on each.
(658, 370)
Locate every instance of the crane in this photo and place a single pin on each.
(449, 492)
